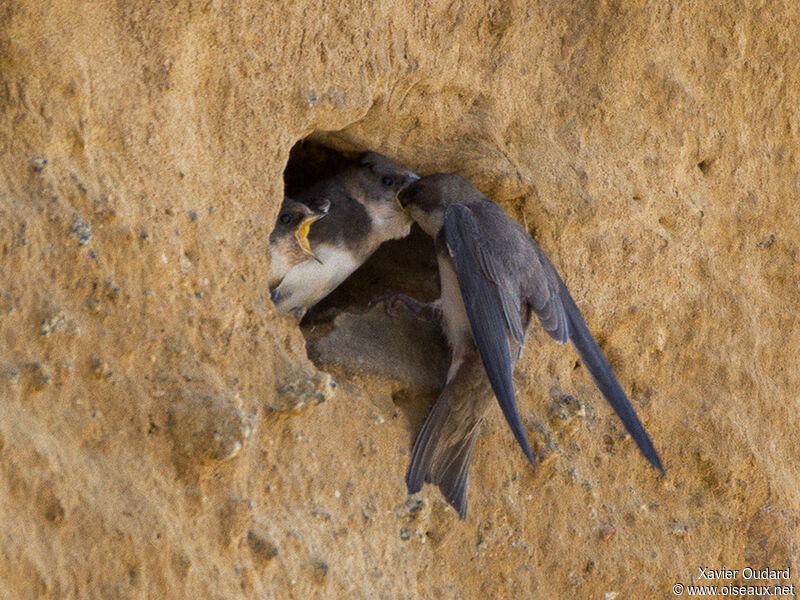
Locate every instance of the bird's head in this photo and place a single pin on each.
(427, 199)
(375, 181)
(288, 242)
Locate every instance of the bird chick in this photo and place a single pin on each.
(363, 214)
(288, 242)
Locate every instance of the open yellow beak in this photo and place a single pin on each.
(301, 235)
(397, 199)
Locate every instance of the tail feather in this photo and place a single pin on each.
(442, 455)
(421, 455)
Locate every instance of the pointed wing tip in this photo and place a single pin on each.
(517, 429)
(645, 445)
(649, 452)
(529, 456)
(656, 462)
(509, 408)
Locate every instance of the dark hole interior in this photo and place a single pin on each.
(310, 162)
(350, 332)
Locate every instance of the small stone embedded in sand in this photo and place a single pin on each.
(52, 324)
(80, 230)
(38, 164)
(303, 391)
(100, 368)
(607, 532)
(679, 529)
(411, 509)
(565, 411)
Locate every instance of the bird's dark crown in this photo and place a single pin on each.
(436, 192)
(379, 178)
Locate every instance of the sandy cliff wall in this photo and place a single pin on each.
(162, 433)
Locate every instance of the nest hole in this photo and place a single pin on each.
(348, 330)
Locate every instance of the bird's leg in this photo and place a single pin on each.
(424, 311)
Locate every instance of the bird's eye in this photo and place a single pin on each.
(387, 181)
(285, 218)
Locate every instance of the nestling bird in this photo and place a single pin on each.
(288, 242)
(362, 215)
(493, 276)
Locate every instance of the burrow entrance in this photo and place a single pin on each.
(348, 330)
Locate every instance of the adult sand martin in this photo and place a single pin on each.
(493, 276)
(363, 214)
